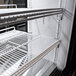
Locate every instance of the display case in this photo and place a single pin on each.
(25, 54)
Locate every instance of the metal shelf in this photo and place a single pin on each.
(10, 59)
(13, 49)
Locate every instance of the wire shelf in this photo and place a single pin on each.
(12, 50)
(10, 58)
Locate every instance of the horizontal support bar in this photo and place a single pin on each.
(35, 60)
(30, 18)
(36, 17)
(29, 15)
(31, 11)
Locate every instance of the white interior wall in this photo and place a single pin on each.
(66, 30)
(48, 26)
(41, 26)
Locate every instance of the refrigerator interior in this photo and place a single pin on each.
(29, 54)
(19, 49)
(15, 52)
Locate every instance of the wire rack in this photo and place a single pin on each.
(12, 51)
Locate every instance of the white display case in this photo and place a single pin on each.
(21, 53)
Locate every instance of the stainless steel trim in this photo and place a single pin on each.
(24, 18)
(32, 11)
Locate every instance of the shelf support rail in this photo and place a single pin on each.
(25, 67)
(18, 17)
